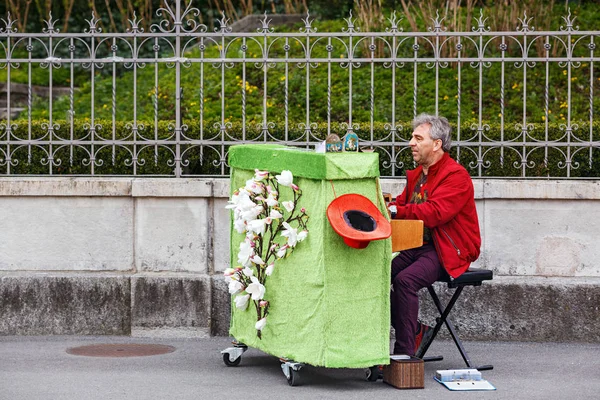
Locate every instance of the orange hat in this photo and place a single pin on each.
(357, 220)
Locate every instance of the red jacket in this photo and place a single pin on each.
(449, 213)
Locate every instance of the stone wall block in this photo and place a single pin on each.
(221, 307)
(172, 234)
(171, 301)
(66, 233)
(221, 235)
(65, 305)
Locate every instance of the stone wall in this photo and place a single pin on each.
(144, 256)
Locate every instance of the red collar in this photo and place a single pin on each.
(435, 167)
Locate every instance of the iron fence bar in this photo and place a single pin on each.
(29, 105)
(8, 129)
(178, 89)
(156, 48)
(416, 49)
(502, 91)
(114, 103)
(372, 90)
(546, 101)
(328, 88)
(591, 101)
(244, 93)
(458, 99)
(286, 104)
(568, 128)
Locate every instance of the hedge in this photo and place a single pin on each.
(498, 161)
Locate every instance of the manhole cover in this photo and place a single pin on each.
(120, 350)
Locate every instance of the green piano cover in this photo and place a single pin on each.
(329, 303)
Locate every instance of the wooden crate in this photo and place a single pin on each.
(405, 374)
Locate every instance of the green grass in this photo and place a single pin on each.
(209, 102)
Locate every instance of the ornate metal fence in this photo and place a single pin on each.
(522, 102)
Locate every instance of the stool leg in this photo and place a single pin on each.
(444, 319)
(437, 326)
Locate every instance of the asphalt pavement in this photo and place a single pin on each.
(34, 368)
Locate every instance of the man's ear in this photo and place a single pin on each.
(437, 145)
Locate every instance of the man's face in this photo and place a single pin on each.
(422, 145)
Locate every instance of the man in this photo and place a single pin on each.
(440, 193)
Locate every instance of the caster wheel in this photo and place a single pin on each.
(294, 378)
(230, 363)
(373, 373)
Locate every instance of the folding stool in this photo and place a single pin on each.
(472, 277)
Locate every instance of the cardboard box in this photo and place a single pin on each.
(405, 373)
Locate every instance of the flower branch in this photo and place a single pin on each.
(272, 232)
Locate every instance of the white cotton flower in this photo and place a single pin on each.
(251, 213)
(257, 226)
(233, 203)
(239, 225)
(291, 234)
(275, 214)
(254, 187)
(244, 202)
(288, 205)
(269, 269)
(246, 252)
(260, 324)
(257, 260)
(235, 286)
(260, 175)
(272, 200)
(248, 272)
(281, 252)
(241, 301)
(286, 178)
(302, 235)
(256, 289)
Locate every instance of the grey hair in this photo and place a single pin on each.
(440, 128)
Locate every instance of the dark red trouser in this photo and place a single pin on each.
(412, 270)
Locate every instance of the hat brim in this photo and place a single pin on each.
(358, 239)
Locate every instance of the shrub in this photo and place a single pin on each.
(203, 148)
